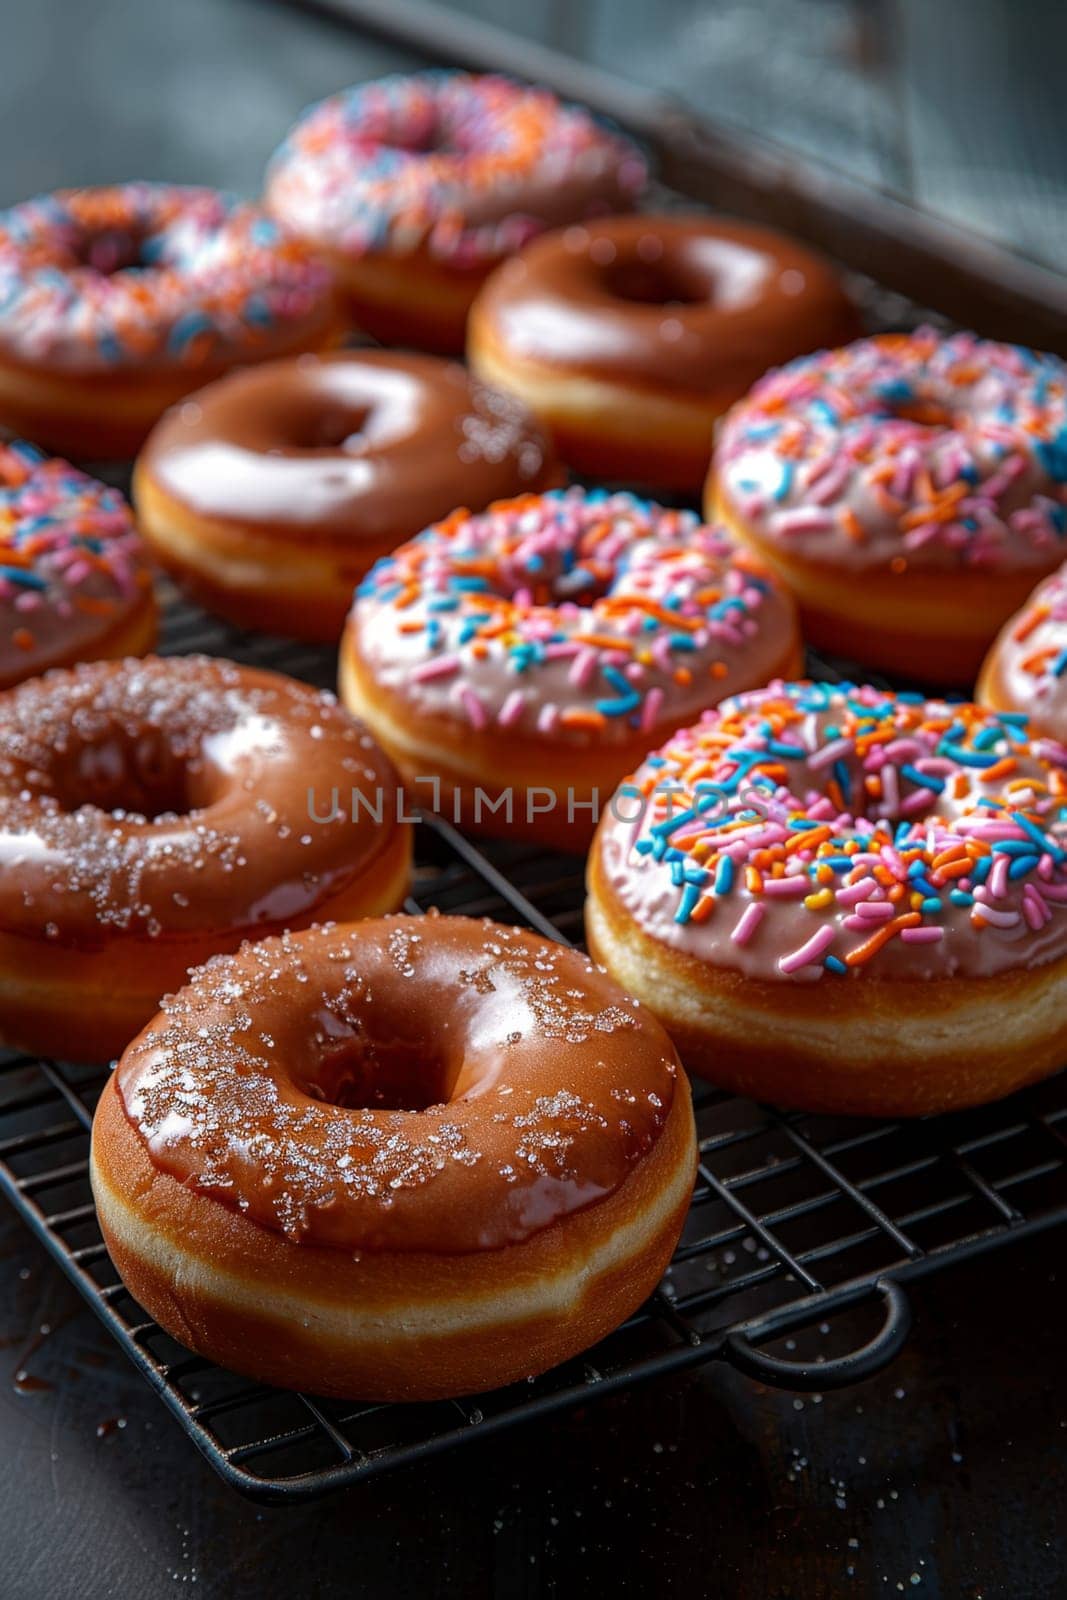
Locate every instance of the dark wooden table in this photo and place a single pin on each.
(944, 1477)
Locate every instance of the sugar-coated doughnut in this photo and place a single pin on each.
(412, 1158)
(1026, 668)
(846, 900)
(631, 336)
(153, 812)
(416, 187)
(272, 492)
(115, 302)
(74, 583)
(516, 664)
(909, 488)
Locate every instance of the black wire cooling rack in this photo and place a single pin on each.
(802, 1233)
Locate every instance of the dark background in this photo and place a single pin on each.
(957, 104)
(945, 1477)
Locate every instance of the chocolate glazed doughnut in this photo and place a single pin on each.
(271, 493)
(630, 337)
(411, 1158)
(154, 812)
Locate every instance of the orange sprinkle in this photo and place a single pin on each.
(1026, 625)
(863, 952)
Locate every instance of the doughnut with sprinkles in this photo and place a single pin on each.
(910, 488)
(535, 651)
(1026, 670)
(115, 302)
(845, 899)
(416, 187)
(74, 581)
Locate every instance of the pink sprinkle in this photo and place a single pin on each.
(822, 809)
(998, 878)
(1054, 891)
(918, 800)
(1000, 919)
(808, 953)
(805, 519)
(829, 753)
(786, 888)
(748, 922)
(548, 717)
(854, 892)
(512, 709)
(583, 668)
(875, 910)
(651, 709)
(440, 667)
(472, 705)
(1035, 910)
(924, 935)
(831, 482)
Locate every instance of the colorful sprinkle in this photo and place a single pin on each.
(119, 277)
(592, 603)
(70, 560)
(969, 880)
(906, 450)
(459, 163)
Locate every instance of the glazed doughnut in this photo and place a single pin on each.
(525, 659)
(419, 1157)
(909, 488)
(630, 337)
(845, 900)
(74, 584)
(116, 302)
(272, 492)
(414, 188)
(1024, 671)
(153, 812)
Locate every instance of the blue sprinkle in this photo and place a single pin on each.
(690, 896)
(785, 482)
(922, 780)
(724, 875)
(966, 758)
(1039, 838)
(24, 578)
(186, 329)
(629, 698)
(835, 964)
(1052, 454)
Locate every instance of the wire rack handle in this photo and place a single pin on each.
(741, 1345)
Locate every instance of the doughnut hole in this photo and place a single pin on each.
(144, 775)
(695, 272)
(670, 281)
(312, 428)
(107, 251)
(388, 1054)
